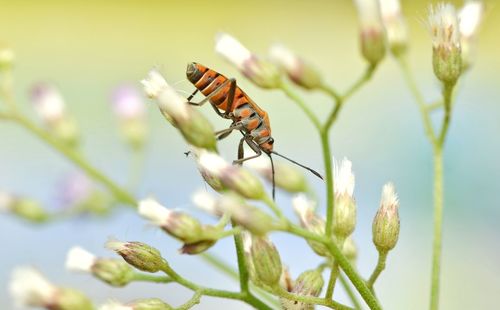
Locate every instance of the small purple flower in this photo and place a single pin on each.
(127, 102)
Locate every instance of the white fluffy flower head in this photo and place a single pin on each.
(470, 17)
(29, 287)
(444, 28)
(212, 163)
(303, 206)
(285, 58)
(231, 49)
(79, 259)
(389, 197)
(205, 201)
(154, 83)
(343, 177)
(152, 210)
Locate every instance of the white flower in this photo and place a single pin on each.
(304, 207)
(48, 102)
(260, 164)
(114, 305)
(443, 24)
(205, 201)
(170, 102)
(389, 196)
(6, 201)
(28, 287)
(155, 212)
(231, 49)
(154, 83)
(343, 178)
(470, 17)
(285, 58)
(397, 34)
(369, 14)
(79, 259)
(212, 163)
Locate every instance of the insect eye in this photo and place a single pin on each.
(271, 141)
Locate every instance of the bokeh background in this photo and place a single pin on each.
(88, 47)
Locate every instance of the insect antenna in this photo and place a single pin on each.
(300, 165)
(272, 173)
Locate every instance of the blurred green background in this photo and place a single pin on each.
(88, 47)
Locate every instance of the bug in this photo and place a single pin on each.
(230, 102)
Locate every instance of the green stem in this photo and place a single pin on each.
(353, 276)
(350, 292)
(191, 302)
(367, 75)
(245, 297)
(144, 277)
(242, 266)
(334, 273)
(438, 220)
(309, 299)
(447, 96)
(382, 257)
(329, 184)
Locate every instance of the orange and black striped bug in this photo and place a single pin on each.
(231, 102)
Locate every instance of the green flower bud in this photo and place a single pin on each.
(66, 130)
(232, 177)
(304, 207)
(70, 299)
(395, 26)
(266, 261)
(446, 59)
(149, 304)
(372, 31)
(112, 271)
(386, 222)
(138, 254)
(286, 176)
(344, 213)
(264, 74)
(29, 210)
(197, 247)
(309, 283)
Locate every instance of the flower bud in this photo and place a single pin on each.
(177, 224)
(372, 31)
(70, 299)
(247, 249)
(309, 283)
(297, 70)
(51, 108)
(138, 254)
(235, 178)
(395, 26)
(6, 57)
(197, 247)
(344, 213)
(386, 222)
(138, 304)
(25, 208)
(130, 111)
(112, 271)
(211, 179)
(446, 59)
(266, 261)
(249, 217)
(194, 127)
(264, 74)
(304, 207)
(286, 176)
(30, 288)
(470, 17)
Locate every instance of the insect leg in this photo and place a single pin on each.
(230, 98)
(254, 146)
(192, 95)
(221, 134)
